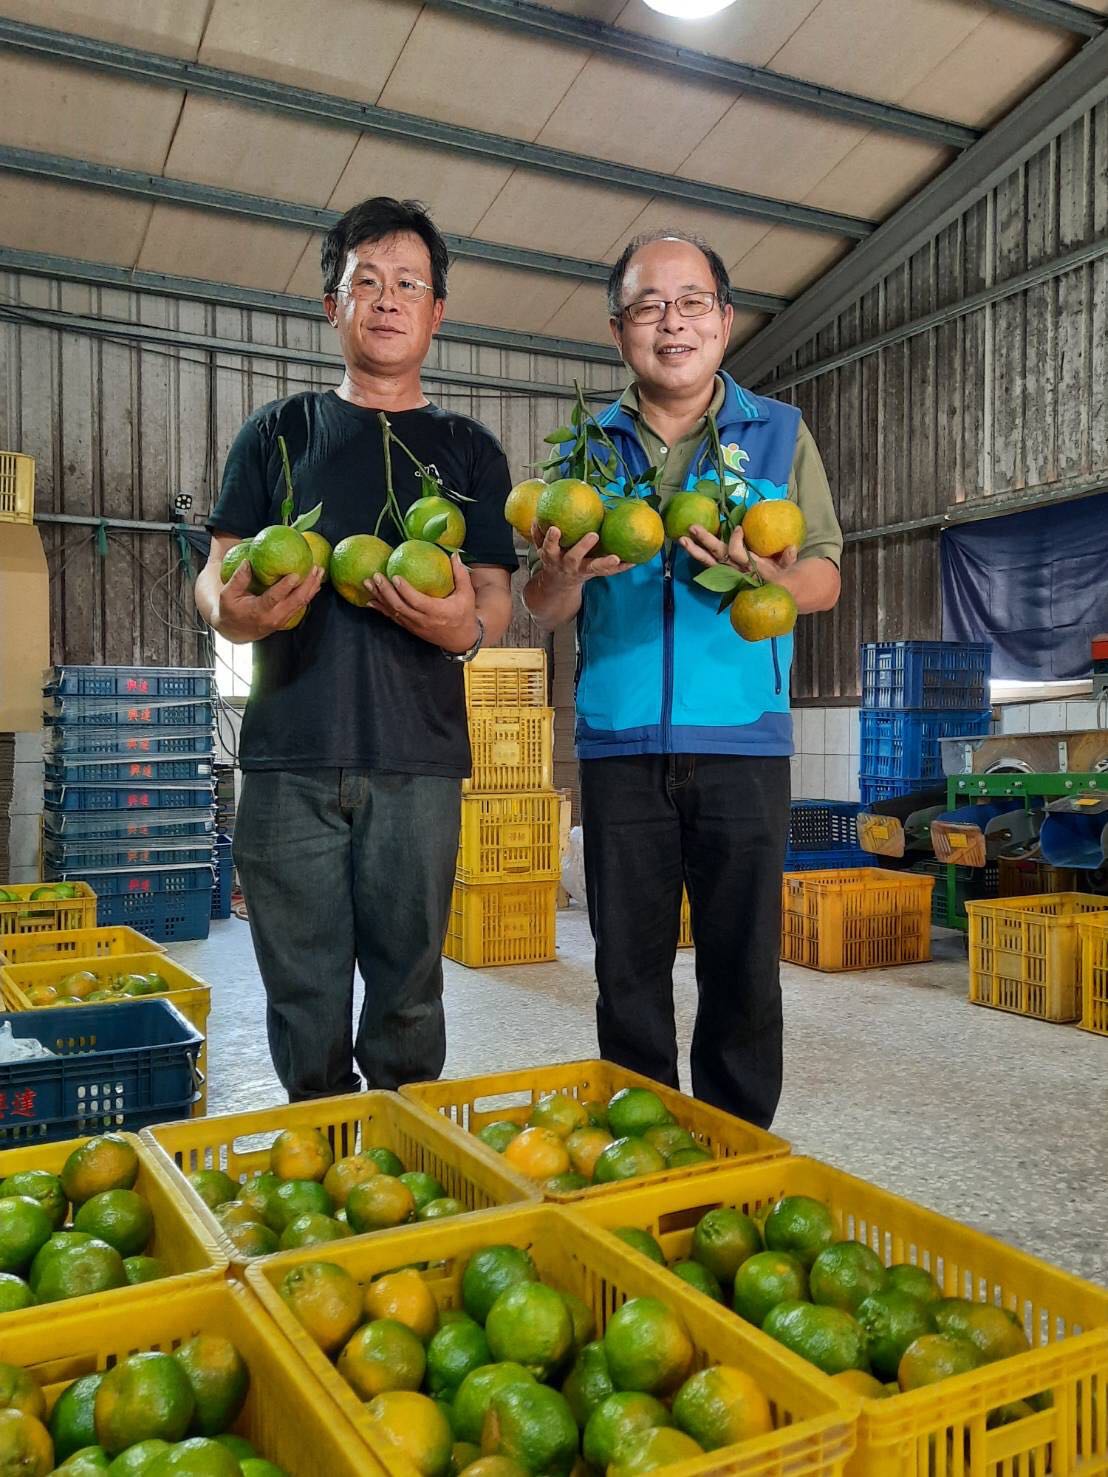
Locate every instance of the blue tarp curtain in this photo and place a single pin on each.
(1034, 584)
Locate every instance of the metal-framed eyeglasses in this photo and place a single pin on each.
(367, 289)
(688, 305)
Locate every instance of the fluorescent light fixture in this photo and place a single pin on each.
(689, 10)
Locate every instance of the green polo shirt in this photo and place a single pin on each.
(808, 486)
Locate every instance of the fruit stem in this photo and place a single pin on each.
(426, 472)
(287, 505)
(601, 435)
(391, 505)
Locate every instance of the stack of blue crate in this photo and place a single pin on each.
(822, 834)
(128, 803)
(914, 695)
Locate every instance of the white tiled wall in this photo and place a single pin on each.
(825, 765)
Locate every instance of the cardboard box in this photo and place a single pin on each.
(24, 626)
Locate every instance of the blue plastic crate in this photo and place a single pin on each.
(127, 797)
(129, 682)
(925, 674)
(124, 712)
(221, 892)
(75, 856)
(895, 743)
(112, 1069)
(823, 825)
(126, 826)
(820, 861)
(79, 738)
(873, 788)
(193, 877)
(167, 917)
(136, 769)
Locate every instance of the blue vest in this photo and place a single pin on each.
(659, 671)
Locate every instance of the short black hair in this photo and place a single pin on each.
(648, 238)
(373, 220)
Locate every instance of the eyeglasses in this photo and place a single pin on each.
(371, 290)
(688, 305)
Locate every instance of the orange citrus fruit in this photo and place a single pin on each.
(300, 1154)
(720, 1406)
(632, 531)
(425, 566)
(773, 525)
(325, 1300)
(355, 560)
(572, 507)
(769, 610)
(539, 1153)
(406, 1298)
(522, 504)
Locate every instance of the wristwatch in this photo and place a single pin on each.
(467, 656)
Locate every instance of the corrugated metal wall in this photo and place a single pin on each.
(1008, 399)
(118, 429)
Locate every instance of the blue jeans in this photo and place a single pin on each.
(718, 824)
(338, 866)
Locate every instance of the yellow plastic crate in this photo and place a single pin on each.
(46, 916)
(510, 838)
(469, 1103)
(815, 1424)
(239, 1143)
(283, 1417)
(502, 923)
(507, 677)
(855, 918)
(1024, 955)
(513, 749)
(83, 943)
(1093, 943)
(17, 487)
(191, 996)
(925, 1433)
(684, 938)
(188, 1249)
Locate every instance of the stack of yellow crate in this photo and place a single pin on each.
(509, 858)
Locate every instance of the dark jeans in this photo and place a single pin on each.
(339, 865)
(719, 824)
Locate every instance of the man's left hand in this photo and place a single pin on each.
(449, 622)
(708, 550)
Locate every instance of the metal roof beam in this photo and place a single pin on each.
(368, 118)
(541, 21)
(229, 294)
(1072, 91)
(287, 213)
(1076, 18)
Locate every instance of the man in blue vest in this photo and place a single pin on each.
(683, 728)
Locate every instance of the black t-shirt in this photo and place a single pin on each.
(348, 688)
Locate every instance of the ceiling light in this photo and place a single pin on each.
(689, 10)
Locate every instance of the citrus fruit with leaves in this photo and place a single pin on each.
(773, 525)
(425, 566)
(767, 611)
(632, 531)
(437, 520)
(279, 551)
(355, 560)
(686, 508)
(522, 503)
(571, 506)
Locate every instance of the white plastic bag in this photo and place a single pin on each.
(573, 866)
(20, 1050)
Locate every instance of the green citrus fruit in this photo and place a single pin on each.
(845, 1274)
(214, 1187)
(916, 1281)
(589, 1382)
(891, 1321)
(321, 552)
(294, 1198)
(457, 1349)
(73, 1421)
(386, 1161)
(426, 509)
(669, 1139)
(758, 614)
(533, 1425)
(646, 1451)
(15, 1293)
(800, 1225)
(627, 1159)
(490, 1272)
(499, 1135)
(988, 1328)
(935, 1357)
(278, 551)
(635, 1109)
(253, 1239)
(312, 1229)
(144, 1396)
(107, 1162)
(721, 1406)
(642, 1242)
(530, 1325)
(325, 1300)
(620, 1415)
(231, 561)
(559, 1112)
(25, 1446)
(355, 560)
(139, 1269)
(425, 566)
(424, 1187)
(219, 1379)
(21, 1391)
(471, 1403)
(827, 1337)
(120, 1217)
(440, 1209)
(25, 1228)
(382, 1355)
(700, 1278)
(722, 1240)
(522, 504)
(648, 1348)
(687, 1158)
(379, 1203)
(197, 1457)
(137, 1460)
(78, 1270)
(632, 531)
(571, 506)
(766, 1279)
(686, 508)
(582, 1319)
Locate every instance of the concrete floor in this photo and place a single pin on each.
(996, 1120)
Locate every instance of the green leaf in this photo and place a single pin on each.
(428, 486)
(555, 461)
(575, 415)
(562, 433)
(726, 601)
(706, 487)
(736, 516)
(649, 477)
(720, 578)
(309, 519)
(653, 501)
(434, 528)
(286, 470)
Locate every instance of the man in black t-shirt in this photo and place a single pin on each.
(354, 741)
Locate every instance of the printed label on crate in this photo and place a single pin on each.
(136, 685)
(957, 840)
(137, 745)
(506, 751)
(514, 928)
(138, 715)
(136, 801)
(516, 835)
(138, 884)
(18, 1104)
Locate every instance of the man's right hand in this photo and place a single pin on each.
(245, 617)
(569, 569)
